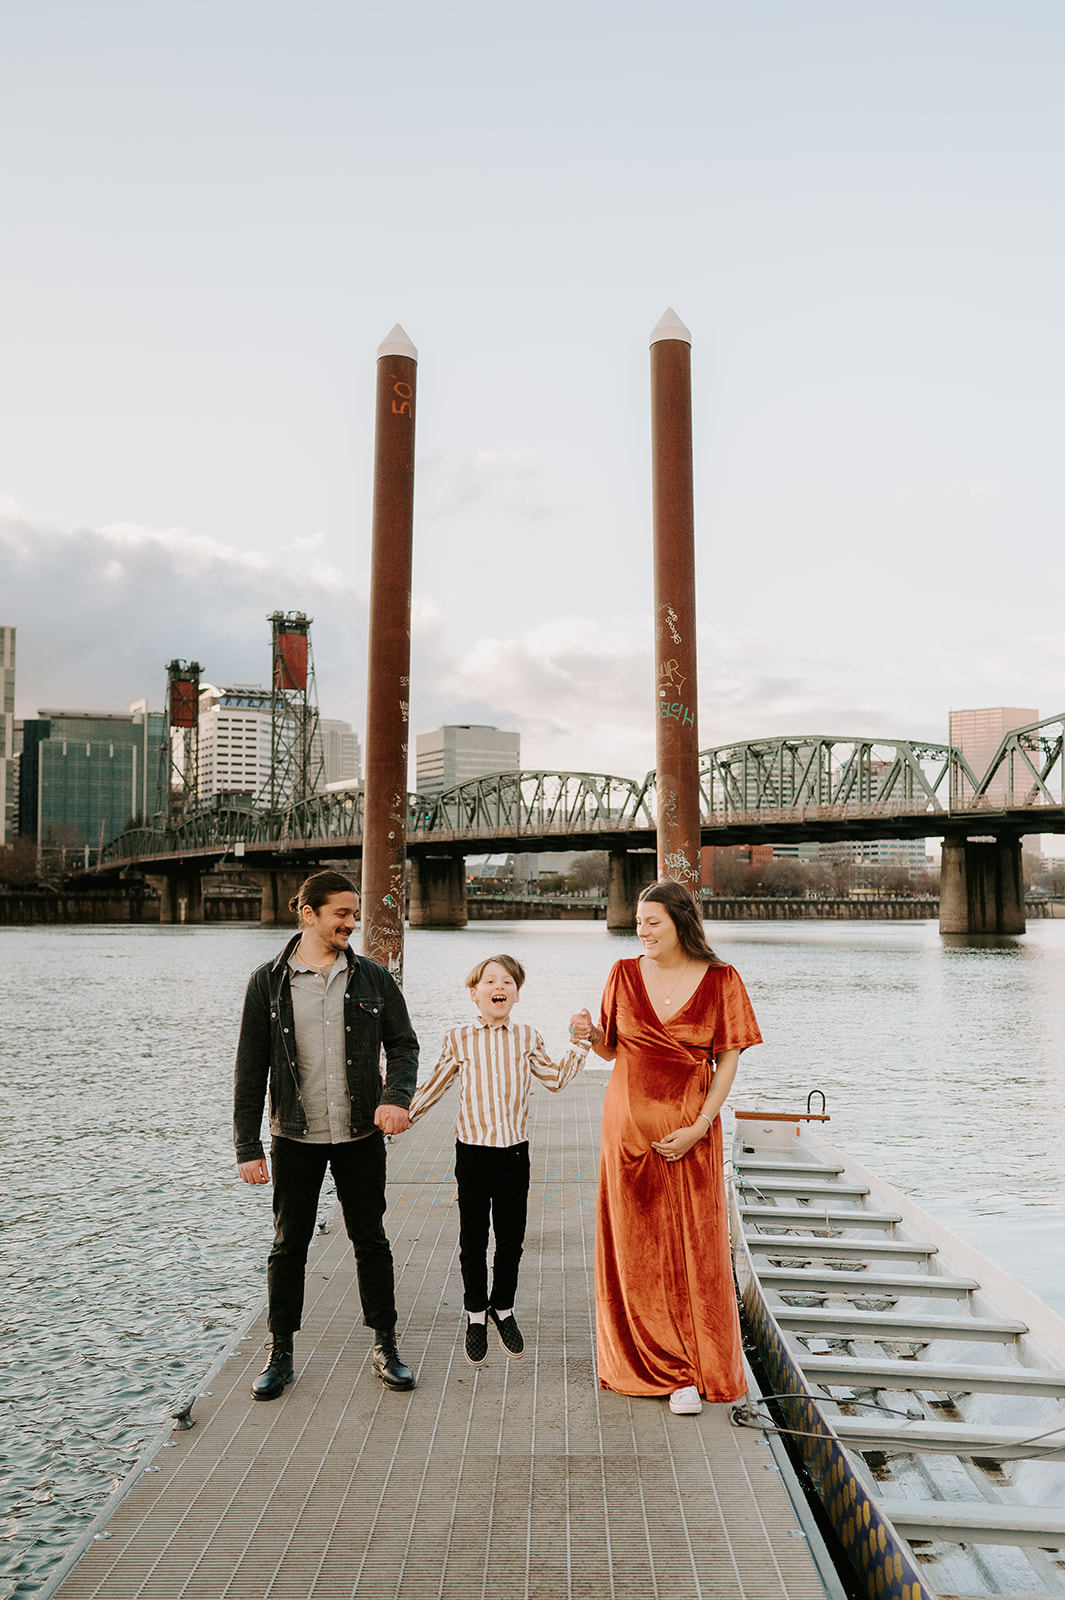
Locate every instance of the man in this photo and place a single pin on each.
(315, 1021)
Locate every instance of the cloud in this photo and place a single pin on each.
(501, 463)
(502, 486)
(101, 610)
(579, 691)
(751, 688)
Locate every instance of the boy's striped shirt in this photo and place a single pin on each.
(494, 1066)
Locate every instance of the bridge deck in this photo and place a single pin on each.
(520, 1479)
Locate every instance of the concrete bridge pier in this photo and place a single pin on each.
(630, 872)
(980, 886)
(438, 892)
(180, 895)
(278, 886)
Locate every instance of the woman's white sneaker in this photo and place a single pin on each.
(685, 1402)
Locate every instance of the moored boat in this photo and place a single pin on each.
(922, 1387)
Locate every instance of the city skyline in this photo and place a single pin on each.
(857, 215)
(238, 750)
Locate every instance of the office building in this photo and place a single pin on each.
(458, 752)
(341, 755)
(8, 753)
(14, 776)
(806, 851)
(234, 748)
(234, 741)
(85, 775)
(978, 734)
(910, 854)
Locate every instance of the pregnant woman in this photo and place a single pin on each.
(674, 1021)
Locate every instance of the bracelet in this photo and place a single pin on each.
(706, 1119)
(594, 1038)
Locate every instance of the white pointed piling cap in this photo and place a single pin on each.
(670, 326)
(396, 344)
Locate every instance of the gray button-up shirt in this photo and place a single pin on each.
(318, 1014)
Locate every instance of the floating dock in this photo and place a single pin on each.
(519, 1479)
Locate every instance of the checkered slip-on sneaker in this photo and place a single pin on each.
(476, 1343)
(509, 1335)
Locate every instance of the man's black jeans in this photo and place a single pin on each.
(359, 1174)
(491, 1182)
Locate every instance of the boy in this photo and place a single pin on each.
(494, 1060)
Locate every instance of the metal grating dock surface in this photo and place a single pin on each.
(521, 1479)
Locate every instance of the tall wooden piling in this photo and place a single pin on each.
(388, 687)
(676, 681)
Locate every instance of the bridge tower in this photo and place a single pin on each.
(297, 764)
(181, 744)
(180, 889)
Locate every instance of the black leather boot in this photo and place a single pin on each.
(277, 1372)
(386, 1362)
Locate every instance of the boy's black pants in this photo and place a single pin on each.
(492, 1183)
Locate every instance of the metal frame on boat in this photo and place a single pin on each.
(941, 1469)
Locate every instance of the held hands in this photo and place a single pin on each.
(679, 1142)
(581, 1027)
(392, 1119)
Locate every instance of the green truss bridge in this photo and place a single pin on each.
(782, 790)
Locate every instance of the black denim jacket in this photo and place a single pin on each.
(375, 1015)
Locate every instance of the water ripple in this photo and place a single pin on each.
(131, 1253)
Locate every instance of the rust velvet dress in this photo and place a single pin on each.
(664, 1298)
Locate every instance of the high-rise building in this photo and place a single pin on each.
(459, 751)
(83, 775)
(340, 751)
(235, 734)
(234, 742)
(14, 776)
(8, 771)
(978, 734)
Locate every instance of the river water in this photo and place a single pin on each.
(131, 1253)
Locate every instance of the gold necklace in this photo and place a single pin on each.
(658, 979)
(311, 964)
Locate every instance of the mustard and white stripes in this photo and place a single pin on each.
(494, 1066)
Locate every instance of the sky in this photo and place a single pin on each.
(212, 214)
